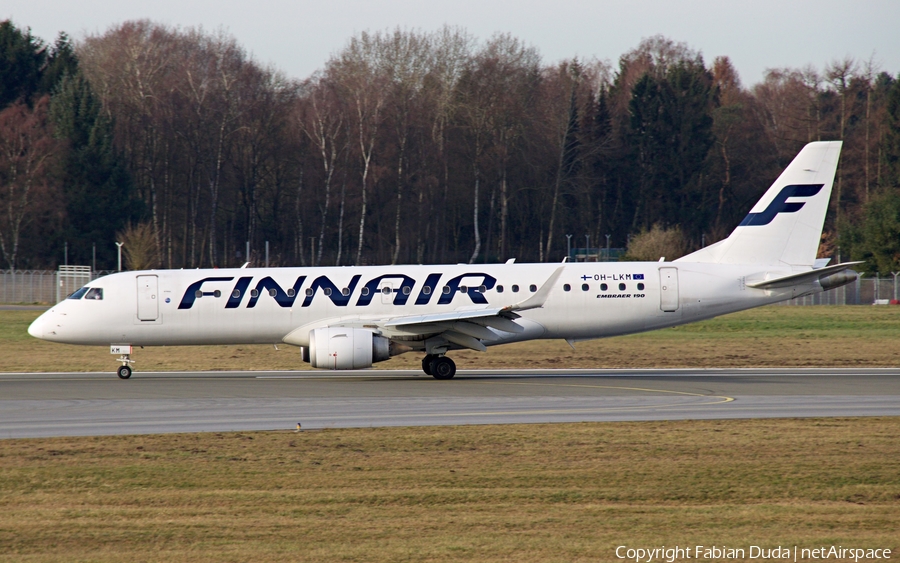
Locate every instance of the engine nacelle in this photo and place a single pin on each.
(838, 279)
(346, 348)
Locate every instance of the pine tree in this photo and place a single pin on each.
(96, 187)
(22, 61)
(891, 143)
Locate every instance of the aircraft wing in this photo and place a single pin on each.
(470, 327)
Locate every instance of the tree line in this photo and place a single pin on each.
(415, 147)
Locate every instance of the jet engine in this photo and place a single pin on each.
(838, 279)
(348, 348)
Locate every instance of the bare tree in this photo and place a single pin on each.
(407, 58)
(358, 75)
(452, 49)
(839, 73)
(27, 148)
(324, 124)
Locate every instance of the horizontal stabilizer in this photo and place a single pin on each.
(803, 277)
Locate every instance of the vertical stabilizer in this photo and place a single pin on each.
(785, 226)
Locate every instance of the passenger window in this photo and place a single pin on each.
(532, 288)
(291, 292)
(603, 287)
(364, 291)
(406, 290)
(254, 293)
(79, 294)
(585, 287)
(95, 293)
(327, 291)
(567, 287)
(236, 293)
(482, 289)
(273, 292)
(499, 289)
(463, 289)
(217, 293)
(640, 287)
(345, 292)
(515, 288)
(309, 291)
(446, 290)
(426, 290)
(621, 287)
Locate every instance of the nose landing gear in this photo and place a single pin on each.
(124, 371)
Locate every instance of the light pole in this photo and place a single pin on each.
(568, 247)
(119, 249)
(607, 248)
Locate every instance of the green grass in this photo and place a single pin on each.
(766, 337)
(564, 492)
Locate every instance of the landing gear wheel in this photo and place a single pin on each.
(124, 372)
(426, 363)
(443, 367)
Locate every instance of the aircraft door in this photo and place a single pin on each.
(668, 289)
(147, 298)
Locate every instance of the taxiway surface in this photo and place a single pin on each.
(79, 404)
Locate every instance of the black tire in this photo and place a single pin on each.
(443, 367)
(124, 372)
(426, 363)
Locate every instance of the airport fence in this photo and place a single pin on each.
(864, 291)
(44, 286)
(51, 286)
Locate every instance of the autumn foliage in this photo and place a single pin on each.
(417, 147)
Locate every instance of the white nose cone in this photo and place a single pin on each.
(36, 329)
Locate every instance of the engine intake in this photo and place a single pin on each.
(346, 348)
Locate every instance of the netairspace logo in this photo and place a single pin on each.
(723, 553)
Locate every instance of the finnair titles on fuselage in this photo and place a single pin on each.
(352, 317)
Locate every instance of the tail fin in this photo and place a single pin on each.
(785, 226)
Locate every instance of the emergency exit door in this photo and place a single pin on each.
(668, 289)
(147, 298)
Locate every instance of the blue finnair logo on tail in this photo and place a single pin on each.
(781, 205)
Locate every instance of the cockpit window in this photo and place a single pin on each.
(79, 294)
(94, 293)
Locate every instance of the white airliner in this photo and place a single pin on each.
(350, 317)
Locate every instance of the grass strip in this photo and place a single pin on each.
(561, 492)
(765, 337)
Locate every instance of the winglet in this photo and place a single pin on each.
(536, 301)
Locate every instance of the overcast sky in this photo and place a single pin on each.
(297, 36)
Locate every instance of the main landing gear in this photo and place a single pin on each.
(438, 367)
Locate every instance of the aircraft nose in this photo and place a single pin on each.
(36, 329)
